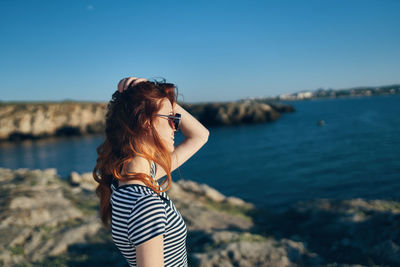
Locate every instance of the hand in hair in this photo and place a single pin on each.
(125, 82)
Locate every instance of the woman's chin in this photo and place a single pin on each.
(170, 145)
(172, 148)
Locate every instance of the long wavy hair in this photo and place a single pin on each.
(125, 138)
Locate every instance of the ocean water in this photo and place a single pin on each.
(354, 154)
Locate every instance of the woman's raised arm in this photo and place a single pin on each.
(196, 135)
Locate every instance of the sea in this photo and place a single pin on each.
(341, 148)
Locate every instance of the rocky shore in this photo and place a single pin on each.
(49, 221)
(37, 120)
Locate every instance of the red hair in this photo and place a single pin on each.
(126, 131)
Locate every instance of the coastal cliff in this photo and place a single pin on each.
(37, 120)
(48, 221)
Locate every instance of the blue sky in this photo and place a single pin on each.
(213, 50)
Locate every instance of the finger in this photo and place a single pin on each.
(129, 81)
(139, 81)
(123, 84)
(120, 85)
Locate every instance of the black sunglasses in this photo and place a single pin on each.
(174, 121)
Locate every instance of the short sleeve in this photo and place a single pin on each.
(147, 219)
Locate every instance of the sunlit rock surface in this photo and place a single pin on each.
(24, 120)
(48, 221)
(37, 120)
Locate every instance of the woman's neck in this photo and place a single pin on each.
(137, 165)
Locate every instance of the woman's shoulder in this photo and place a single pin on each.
(130, 192)
(117, 184)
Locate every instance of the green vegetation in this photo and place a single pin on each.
(25, 264)
(46, 231)
(392, 206)
(251, 237)
(245, 236)
(88, 207)
(17, 250)
(240, 211)
(99, 251)
(70, 223)
(88, 203)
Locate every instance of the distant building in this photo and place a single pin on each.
(287, 97)
(331, 93)
(304, 95)
(296, 96)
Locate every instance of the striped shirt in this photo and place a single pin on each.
(139, 214)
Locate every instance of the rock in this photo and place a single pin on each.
(59, 244)
(45, 221)
(388, 250)
(354, 230)
(234, 113)
(212, 194)
(205, 208)
(235, 201)
(201, 190)
(75, 178)
(19, 121)
(245, 253)
(44, 217)
(37, 120)
(31, 200)
(84, 181)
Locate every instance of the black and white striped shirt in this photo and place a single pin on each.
(139, 214)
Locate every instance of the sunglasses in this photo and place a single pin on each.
(173, 121)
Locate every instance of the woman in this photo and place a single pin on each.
(138, 150)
